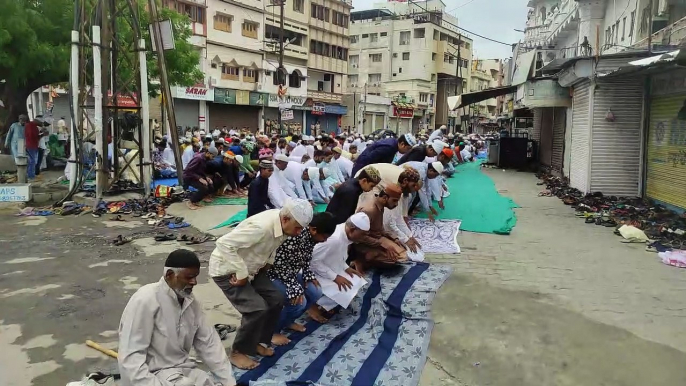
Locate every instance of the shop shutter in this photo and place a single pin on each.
(368, 126)
(378, 121)
(233, 116)
(538, 119)
(580, 136)
(545, 144)
(186, 113)
(666, 158)
(616, 146)
(559, 124)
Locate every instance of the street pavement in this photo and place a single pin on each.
(557, 302)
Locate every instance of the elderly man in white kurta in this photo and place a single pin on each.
(339, 282)
(238, 265)
(161, 324)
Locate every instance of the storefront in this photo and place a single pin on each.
(190, 105)
(549, 134)
(237, 109)
(324, 118)
(292, 114)
(402, 116)
(666, 142)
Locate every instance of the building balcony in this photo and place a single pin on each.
(290, 50)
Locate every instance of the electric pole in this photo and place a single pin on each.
(281, 71)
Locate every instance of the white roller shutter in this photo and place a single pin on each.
(616, 146)
(559, 123)
(580, 136)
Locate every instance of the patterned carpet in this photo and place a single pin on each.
(381, 339)
(436, 237)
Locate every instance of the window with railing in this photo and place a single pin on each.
(319, 12)
(222, 22)
(328, 50)
(404, 38)
(294, 80)
(249, 29)
(352, 80)
(354, 60)
(406, 56)
(375, 58)
(195, 12)
(249, 75)
(373, 38)
(339, 19)
(374, 79)
(299, 6)
(229, 72)
(354, 39)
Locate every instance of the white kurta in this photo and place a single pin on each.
(284, 183)
(346, 166)
(187, 156)
(310, 150)
(297, 153)
(328, 261)
(156, 336)
(294, 174)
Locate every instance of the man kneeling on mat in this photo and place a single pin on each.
(292, 276)
(160, 325)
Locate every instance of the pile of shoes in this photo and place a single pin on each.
(665, 229)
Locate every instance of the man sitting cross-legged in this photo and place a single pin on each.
(160, 325)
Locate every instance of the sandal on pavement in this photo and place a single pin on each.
(166, 237)
(224, 330)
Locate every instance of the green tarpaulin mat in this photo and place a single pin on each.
(240, 216)
(475, 200)
(227, 201)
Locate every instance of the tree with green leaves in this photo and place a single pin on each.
(35, 44)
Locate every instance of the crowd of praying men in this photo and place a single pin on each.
(285, 260)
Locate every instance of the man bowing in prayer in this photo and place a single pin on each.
(160, 325)
(379, 249)
(239, 265)
(339, 282)
(344, 201)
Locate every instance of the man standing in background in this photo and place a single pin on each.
(31, 135)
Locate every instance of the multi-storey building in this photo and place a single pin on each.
(414, 54)
(486, 74)
(603, 115)
(329, 23)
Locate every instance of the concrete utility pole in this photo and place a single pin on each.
(364, 108)
(166, 90)
(281, 70)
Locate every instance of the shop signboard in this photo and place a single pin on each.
(287, 99)
(318, 109)
(225, 96)
(257, 99)
(403, 113)
(242, 97)
(194, 93)
(129, 101)
(15, 193)
(286, 115)
(336, 109)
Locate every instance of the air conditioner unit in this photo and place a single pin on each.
(395, 54)
(354, 65)
(376, 84)
(353, 85)
(212, 81)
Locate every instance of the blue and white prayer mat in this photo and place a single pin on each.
(439, 236)
(381, 339)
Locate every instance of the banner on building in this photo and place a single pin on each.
(286, 115)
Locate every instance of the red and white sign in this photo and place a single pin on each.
(403, 113)
(194, 93)
(318, 109)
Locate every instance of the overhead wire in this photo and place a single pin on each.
(460, 28)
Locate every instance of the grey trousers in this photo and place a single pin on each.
(260, 304)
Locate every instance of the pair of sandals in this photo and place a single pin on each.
(121, 240)
(184, 238)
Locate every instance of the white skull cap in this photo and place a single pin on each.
(360, 220)
(300, 210)
(313, 172)
(436, 165)
(281, 157)
(439, 146)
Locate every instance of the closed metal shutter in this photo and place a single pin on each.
(378, 121)
(559, 125)
(186, 112)
(368, 125)
(616, 146)
(545, 144)
(666, 169)
(538, 120)
(580, 136)
(233, 116)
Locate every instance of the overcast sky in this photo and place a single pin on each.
(495, 19)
